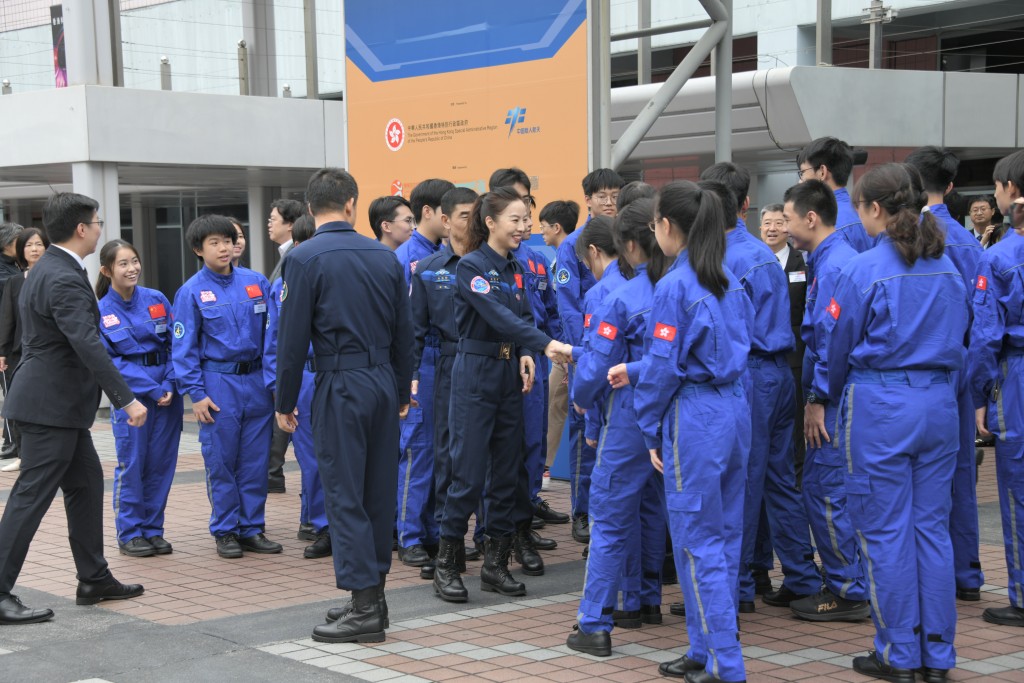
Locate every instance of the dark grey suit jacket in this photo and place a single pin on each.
(63, 362)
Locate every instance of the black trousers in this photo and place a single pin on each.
(275, 465)
(55, 458)
(10, 428)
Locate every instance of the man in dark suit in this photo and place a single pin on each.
(54, 401)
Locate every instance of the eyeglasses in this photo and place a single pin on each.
(98, 222)
(408, 219)
(802, 171)
(607, 198)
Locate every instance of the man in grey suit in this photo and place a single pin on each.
(54, 400)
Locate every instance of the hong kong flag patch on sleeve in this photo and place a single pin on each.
(833, 309)
(607, 331)
(586, 321)
(982, 283)
(663, 331)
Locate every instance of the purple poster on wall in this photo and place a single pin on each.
(60, 63)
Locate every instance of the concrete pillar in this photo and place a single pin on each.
(144, 238)
(258, 32)
(99, 180)
(88, 38)
(262, 252)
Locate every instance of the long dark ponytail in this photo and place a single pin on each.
(488, 205)
(600, 232)
(698, 215)
(108, 254)
(901, 195)
(633, 225)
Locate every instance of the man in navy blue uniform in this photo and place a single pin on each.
(346, 292)
(831, 161)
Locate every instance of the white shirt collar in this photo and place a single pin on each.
(284, 247)
(783, 255)
(78, 259)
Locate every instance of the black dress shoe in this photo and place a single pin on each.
(92, 593)
(537, 523)
(968, 594)
(1004, 616)
(259, 544)
(427, 572)
(9, 451)
(627, 618)
(705, 677)
(677, 609)
(581, 529)
(160, 545)
(276, 488)
(137, 547)
(321, 547)
(13, 612)
(669, 577)
(414, 556)
(762, 582)
(542, 510)
(650, 614)
(306, 532)
(598, 644)
(541, 543)
(228, 547)
(677, 668)
(781, 597)
(870, 666)
(526, 553)
(746, 607)
(931, 675)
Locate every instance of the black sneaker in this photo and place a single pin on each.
(581, 529)
(781, 597)
(228, 546)
(259, 544)
(677, 609)
(137, 547)
(827, 606)
(161, 546)
(598, 644)
(542, 510)
(306, 532)
(870, 666)
(321, 547)
(414, 556)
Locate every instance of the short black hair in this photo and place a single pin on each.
(428, 193)
(632, 191)
(832, 153)
(64, 211)
(815, 196)
(507, 177)
(303, 229)
(937, 167)
(601, 179)
(987, 198)
(455, 197)
(564, 212)
(384, 209)
(736, 178)
(209, 225)
(290, 209)
(23, 237)
(727, 198)
(1010, 169)
(330, 189)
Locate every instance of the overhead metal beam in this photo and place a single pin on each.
(723, 90)
(661, 30)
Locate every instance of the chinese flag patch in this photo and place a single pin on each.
(541, 270)
(519, 280)
(157, 311)
(833, 309)
(533, 266)
(607, 331)
(586, 321)
(982, 282)
(663, 331)
(253, 291)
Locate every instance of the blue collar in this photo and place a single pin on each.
(335, 226)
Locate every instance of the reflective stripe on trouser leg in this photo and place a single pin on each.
(1010, 479)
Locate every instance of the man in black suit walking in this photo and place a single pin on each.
(54, 401)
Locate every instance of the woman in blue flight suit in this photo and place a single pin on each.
(493, 366)
(693, 413)
(996, 370)
(626, 493)
(897, 321)
(134, 328)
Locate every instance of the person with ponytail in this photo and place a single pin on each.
(493, 367)
(895, 338)
(692, 410)
(627, 521)
(135, 328)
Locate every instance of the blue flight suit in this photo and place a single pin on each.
(346, 293)
(996, 371)
(964, 251)
(627, 495)
(690, 403)
(219, 327)
(770, 389)
(824, 486)
(573, 280)
(848, 223)
(138, 338)
(896, 344)
(415, 514)
(496, 328)
(313, 509)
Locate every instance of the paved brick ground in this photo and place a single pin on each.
(489, 638)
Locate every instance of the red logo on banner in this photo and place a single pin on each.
(607, 331)
(982, 282)
(663, 331)
(396, 188)
(833, 309)
(394, 135)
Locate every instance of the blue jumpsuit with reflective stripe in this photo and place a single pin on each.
(415, 514)
(996, 369)
(771, 476)
(896, 344)
(690, 403)
(824, 488)
(146, 456)
(848, 223)
(313, 510)
(222, 318)
(964, 251)
(573, 280)
(627, 495)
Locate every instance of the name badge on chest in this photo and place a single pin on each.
(797, 276)
(259, 308)
(160, 328)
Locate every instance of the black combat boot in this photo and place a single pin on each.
(526, 553)
(336, 613)
(364, 623)
(494, 575)
(447, 582)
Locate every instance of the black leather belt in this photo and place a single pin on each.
(228, 368)
(353, 361)
(147, 359)
(500, 350)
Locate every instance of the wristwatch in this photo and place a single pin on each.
(815, 399)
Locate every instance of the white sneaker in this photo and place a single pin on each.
(545, 481)
(13, 467)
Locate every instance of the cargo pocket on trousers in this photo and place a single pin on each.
(863, 512)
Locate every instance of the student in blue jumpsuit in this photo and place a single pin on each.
(693, 413)
(134, 326)
(346, 294)
(220, 319)
(493, 367)
(573, 280)
(898, 317)
(809, 214)
(417, 529)
(771, 473)
(938, 168)
(831, 161)
(627, 543)
(996, 370)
